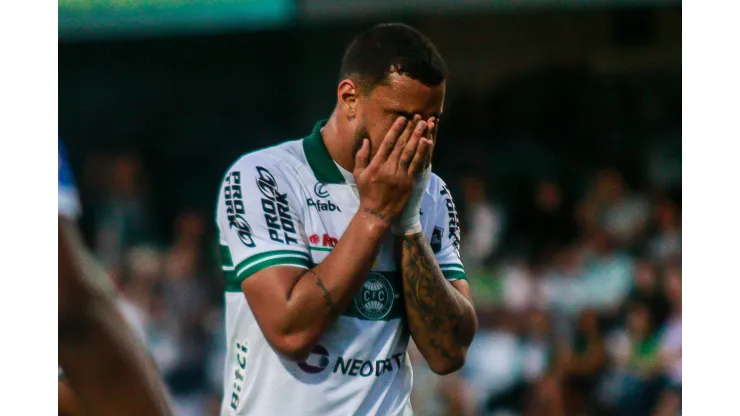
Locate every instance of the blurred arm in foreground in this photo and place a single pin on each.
(105, 363)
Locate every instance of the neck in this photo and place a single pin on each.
(339, 145)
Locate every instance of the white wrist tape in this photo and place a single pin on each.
(409, 221)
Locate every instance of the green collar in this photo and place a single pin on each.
(318, 157)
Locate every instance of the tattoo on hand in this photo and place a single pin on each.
(328, 301)
(377, 214)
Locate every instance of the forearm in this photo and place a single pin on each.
(107, 366)
(100, 355)
(442, 320)
(324, 292)
(68, 404)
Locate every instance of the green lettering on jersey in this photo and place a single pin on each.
(341, 363)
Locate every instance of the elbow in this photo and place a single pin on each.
(295, 347)
(448, 366)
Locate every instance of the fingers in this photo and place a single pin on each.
(432, 130)
(411, 146)
(420, 160)
(432, 136)
(389, 142)
(362, 157)
(404, 139)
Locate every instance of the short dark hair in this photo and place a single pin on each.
(392, 47)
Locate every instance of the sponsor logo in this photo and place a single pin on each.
(317, 361)
(365, 368)
(275, 207)
(319, 190)
(320, 205)
(326, 240)
(238, 377)
(375, 298)
(325, 205)
(436, 241)
(235, 208)
(453, 224)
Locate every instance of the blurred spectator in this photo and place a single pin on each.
(457, 396)
(493, 368)
(581, 364)
(483, 223)
(533, 362)
(182, 282)
(588, 275)
(546, 399)
(521, 287)
(184, 294)
(163, 333)
(538, 349)
(562, 285)
(622, 214)
(122, 213)
(670, 346)
(607, 274)
(634, 382)
(666, 244)
(647, 290)
(425, 397)
(549, 223)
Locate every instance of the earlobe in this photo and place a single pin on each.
(347, 97)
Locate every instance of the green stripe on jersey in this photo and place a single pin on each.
(234, 279)
(272, 261)
(451, 274)
(226, 256)
(320, 248)
(451, 266)
(251, 265)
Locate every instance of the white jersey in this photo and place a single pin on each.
(289, 205)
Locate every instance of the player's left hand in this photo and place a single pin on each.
(409, 221)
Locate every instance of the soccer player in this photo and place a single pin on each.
(105, 365)
(339, 246)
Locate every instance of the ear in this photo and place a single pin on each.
(347, 97)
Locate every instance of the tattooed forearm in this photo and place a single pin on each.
(433, 309)
(328, 301)
(377, 214)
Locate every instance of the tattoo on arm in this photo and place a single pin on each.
(377, 214)
(432, 311)
(328, 301)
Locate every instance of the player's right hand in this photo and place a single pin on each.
(385, 182)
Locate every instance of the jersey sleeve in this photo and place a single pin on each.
(69, 203)
(445, 239)
(259, 222)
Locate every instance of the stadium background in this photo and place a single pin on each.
(561, 144)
